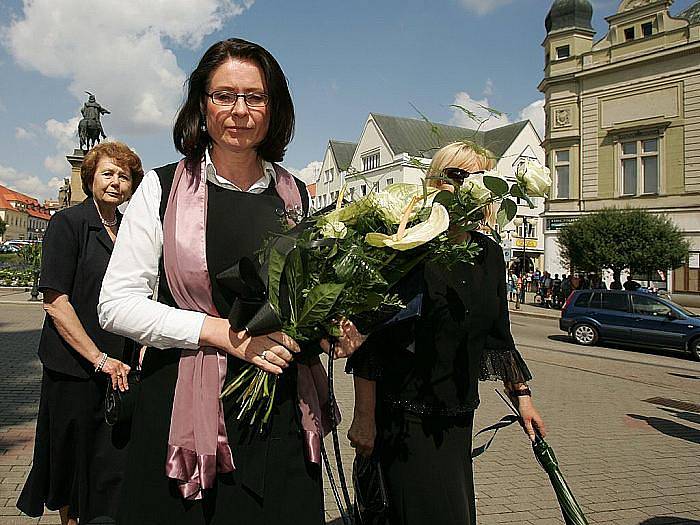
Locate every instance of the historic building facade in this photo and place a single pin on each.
(397, 149)
(623, 120)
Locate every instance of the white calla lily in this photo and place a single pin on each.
(409, 238)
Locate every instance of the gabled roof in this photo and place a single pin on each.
(692, 13)
(420, 138)
(4, 205)
(343, 152)
(12, 195)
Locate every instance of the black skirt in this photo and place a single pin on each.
(78, 459)
(273, 484)
(428, 468)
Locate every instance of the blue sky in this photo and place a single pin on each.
(343, 60)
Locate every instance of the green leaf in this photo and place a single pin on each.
(496, 184)
(274, 276)
(319, 303)
(510, 209)
(517, 191)
(294, 273)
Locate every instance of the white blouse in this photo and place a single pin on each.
(127, 306)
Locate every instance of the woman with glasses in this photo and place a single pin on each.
(78, 459)
(191, 461)
(416, 386)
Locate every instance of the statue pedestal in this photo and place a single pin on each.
(76, 184)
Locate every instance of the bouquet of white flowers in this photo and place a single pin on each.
(343, 263)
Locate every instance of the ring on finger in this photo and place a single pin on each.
(264, 354)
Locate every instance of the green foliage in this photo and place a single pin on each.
(617, 239)
(3, 227)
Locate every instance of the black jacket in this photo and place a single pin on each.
(462, 336)
(76, 251)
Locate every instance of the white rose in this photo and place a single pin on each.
(334, 230)
(475, 188)
(535, 178)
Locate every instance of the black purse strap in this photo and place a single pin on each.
(343, 509)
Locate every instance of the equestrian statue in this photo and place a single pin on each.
(90, 129)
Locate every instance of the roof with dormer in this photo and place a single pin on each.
(566, 14)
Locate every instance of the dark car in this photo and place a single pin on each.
(637, 318)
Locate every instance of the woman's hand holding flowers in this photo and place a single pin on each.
(271, 353)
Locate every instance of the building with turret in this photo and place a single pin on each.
(623, 120)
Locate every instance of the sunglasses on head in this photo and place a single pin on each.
(459, 175)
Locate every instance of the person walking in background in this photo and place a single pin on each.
(566, 287)
(631, 285)
(556, 291)
(78, 459)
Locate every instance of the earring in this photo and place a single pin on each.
(203, 124)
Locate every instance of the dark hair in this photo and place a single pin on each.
(188, 134)
(122, 155)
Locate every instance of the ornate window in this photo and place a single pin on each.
(639, 166)
(562, 173)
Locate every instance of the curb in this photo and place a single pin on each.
(532, 314)
(22, 302)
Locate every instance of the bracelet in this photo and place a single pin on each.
(103, 360)
(523, 392)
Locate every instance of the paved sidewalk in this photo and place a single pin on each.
(625, 426)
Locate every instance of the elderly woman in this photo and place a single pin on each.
(191, 461)
(416, 388)
(78, 459)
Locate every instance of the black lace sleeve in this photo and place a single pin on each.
(501, 360)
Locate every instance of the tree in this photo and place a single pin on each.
(3, 227)
(616, 239)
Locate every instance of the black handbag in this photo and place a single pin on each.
(371, 498)
(120, 406)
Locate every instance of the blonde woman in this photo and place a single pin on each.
(416, 389)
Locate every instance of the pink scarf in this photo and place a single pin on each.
(198, 446)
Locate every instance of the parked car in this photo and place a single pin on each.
(8, 248)
(637, 318)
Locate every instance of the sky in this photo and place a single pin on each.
(343, 60)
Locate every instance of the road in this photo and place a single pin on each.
(625, 426)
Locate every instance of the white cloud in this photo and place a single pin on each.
(310, 173)
(482, 7)
(29, 184)
(57, 164)
(478, 113)
(488, 88)
(535, 114)
(64, 133)
(23, 134)
(117, 50)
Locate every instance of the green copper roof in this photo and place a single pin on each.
(343, 152)
(692, 13)
(566, 14)
(419, 138)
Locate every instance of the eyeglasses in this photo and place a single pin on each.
(229, 98)
(459, 175)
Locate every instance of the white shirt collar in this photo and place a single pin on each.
(258, 186)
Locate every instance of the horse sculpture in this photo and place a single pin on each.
(90, 133)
